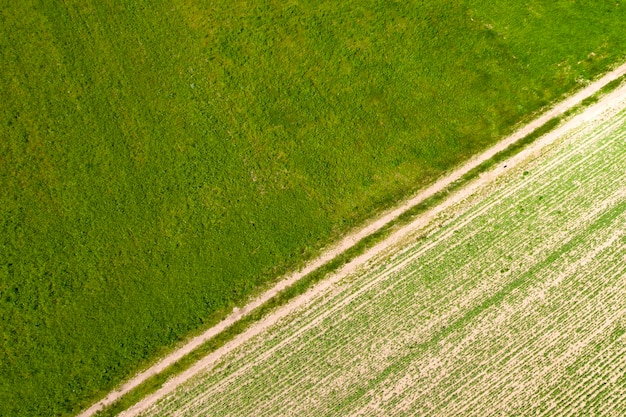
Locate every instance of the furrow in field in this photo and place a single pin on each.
(590, 388)
(528, 377)
(448, 396)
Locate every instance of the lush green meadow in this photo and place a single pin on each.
(512, 302)
(160, 161)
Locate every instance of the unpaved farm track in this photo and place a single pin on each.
(349, 241)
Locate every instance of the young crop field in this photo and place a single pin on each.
(161, 162)
(512, 302)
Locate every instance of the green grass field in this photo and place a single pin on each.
(511, 303)
(161, 161)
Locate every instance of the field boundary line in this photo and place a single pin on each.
(348, 242)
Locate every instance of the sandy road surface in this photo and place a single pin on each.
(348, 242)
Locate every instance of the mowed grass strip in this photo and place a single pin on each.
(160, 163)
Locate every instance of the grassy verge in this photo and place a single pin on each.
(301, 286)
